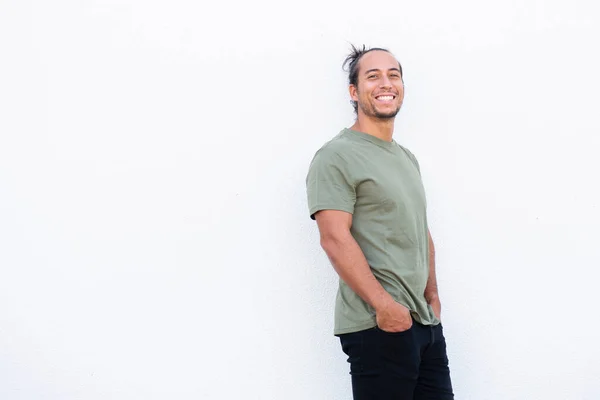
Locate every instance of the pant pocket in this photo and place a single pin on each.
(396, 333)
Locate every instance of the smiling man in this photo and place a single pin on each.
(366, 194)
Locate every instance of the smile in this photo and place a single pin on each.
(385, 97)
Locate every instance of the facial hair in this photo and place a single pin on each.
(370, 110)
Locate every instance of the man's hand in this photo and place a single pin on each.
(393, 317)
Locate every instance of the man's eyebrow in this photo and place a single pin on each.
(377, 70)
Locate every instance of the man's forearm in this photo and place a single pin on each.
(431, 289)
(351, 265)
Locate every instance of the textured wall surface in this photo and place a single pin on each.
(154, 236)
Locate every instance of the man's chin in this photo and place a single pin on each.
(386, 115)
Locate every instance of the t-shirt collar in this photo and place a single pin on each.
(373, 139)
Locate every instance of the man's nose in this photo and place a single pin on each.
(385, 82)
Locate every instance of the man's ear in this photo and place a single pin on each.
(353, 92)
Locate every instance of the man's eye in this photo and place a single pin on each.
(395, 76)
(371, 76)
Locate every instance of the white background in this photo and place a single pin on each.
(154, 235)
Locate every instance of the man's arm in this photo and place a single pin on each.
(351, 265)
(431, 289)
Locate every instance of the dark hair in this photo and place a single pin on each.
(351, 65)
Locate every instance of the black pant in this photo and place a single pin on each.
(410, 365)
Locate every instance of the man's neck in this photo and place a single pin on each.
(382, 129)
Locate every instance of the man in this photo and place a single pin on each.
(366, 194)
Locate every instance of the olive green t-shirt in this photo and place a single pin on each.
(379, 183)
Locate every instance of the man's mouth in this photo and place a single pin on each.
(385, 97)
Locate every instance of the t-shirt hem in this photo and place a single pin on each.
(357, 328)
(429, 322)
(313, 210)
(372, 324)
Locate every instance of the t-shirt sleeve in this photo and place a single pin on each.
(329, 184)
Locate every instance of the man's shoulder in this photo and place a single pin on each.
(405, 149)
(340, 146)
(410, 155)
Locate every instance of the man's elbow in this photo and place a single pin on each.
(327, 244)
(334, 242)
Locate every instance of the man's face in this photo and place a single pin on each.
(379, 91)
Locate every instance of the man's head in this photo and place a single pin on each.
(376, 85)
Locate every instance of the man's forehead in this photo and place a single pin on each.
(378, 59)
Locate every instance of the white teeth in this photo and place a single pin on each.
(385, 98)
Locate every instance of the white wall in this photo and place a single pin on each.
(154, 236)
